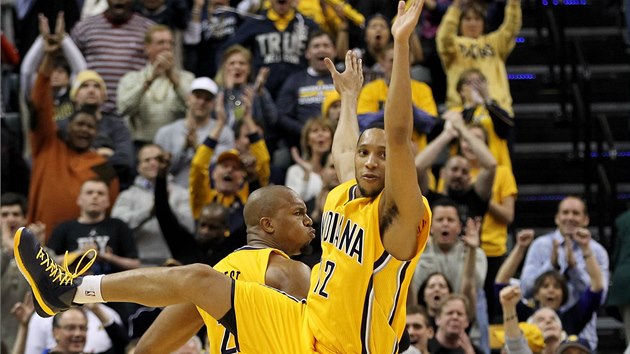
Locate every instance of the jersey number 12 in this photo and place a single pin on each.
(320, 288)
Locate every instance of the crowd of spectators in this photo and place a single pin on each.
(146, 124)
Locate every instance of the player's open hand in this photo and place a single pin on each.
(406, 20)
(351, 80)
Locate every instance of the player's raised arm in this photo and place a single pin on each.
(348, 84)
(402, 195)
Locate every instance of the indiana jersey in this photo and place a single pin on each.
(246, 264)
(356, 303)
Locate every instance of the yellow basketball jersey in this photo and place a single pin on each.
(356, 303)
(245, 264)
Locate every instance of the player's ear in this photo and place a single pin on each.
(266, 224)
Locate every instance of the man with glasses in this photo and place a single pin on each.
(69, 330)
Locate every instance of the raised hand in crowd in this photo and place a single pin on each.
(306, 166)
(52, 41)
(261, 79)
(510, 265)
(471, 236)
(524, 238)
(248, 159)
(22, 311)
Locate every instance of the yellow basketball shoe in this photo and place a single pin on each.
(53, 285)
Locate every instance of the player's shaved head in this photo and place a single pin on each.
(265, 202)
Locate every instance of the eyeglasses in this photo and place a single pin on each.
(72, 328)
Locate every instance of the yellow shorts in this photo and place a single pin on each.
(268, 320)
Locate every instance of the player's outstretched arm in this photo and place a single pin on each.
(402, 193)
(348, 84)
(180, 322)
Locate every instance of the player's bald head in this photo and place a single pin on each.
(265, 202)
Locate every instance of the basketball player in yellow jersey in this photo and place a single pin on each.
(384, 244)
(375, 223)
(264, 260)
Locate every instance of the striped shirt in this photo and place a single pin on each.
(112, 50)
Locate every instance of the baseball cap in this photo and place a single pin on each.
(231, 154)
(205, 84)
(575, 342)
(87, 75)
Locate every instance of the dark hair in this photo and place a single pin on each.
(420, 310)
(377, 124)
(84, 109)
(424, 284)
(317, 34)
(477, 8)
(11, 198)
(148, 35)
(559, 278)
(146, 146)
(575, 196)
(238, 124)
(60, 62)
(375, 16)
(95, 180)
(445, 202)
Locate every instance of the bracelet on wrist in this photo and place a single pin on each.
(509, 318)
(587, 255)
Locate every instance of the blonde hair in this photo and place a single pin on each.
(235, 49)
(308, 126)
(148, 36)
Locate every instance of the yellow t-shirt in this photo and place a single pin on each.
(493, 231)
(374, 94)
(357, 298)
(486, 53)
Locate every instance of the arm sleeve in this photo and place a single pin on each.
(30, 63)
(502, 121)
(445, 37)
(73, 55)
(123, 145)
(481, 268)
(180, 157)
(269, 109)
(199, 186)
(182, 244)
(583, 310)
(242, 37)
(537, 261)
(579, 280)
(43, 129)
(517, 345)
(287, 108)
(258, 148)
(179, 201)
(128, 243)
(118, 335)
(506, 34)
(130, 92)
(179, 13)
(192, 35)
